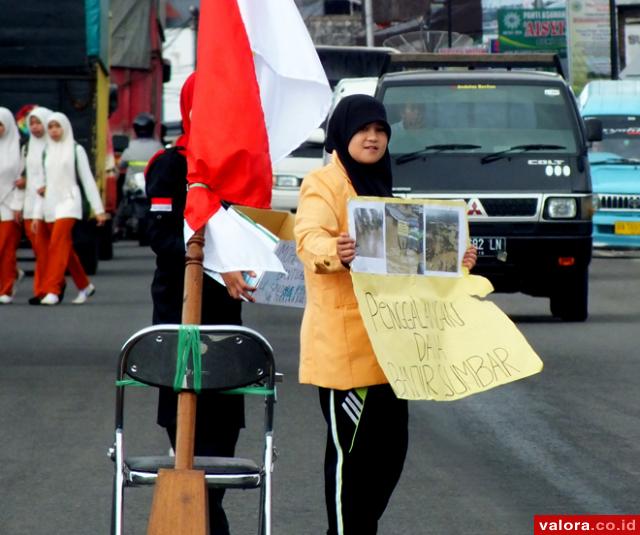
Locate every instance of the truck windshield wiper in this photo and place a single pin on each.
(617, 161)
(518, 148)
(404, 158)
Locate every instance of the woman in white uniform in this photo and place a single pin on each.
(66, 167)
(32, 183)
(10, 203)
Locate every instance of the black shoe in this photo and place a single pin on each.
(35, 300)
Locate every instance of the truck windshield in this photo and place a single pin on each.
(479, 118)
(620, 136)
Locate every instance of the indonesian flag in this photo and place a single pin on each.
(259, 92)
(161, 204)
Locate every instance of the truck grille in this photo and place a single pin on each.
(508, 207)
(619, 202)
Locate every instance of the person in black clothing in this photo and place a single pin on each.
(219, 418)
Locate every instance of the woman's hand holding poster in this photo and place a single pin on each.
(435, 336)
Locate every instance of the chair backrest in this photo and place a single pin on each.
(232, 357)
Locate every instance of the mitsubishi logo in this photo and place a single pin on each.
(474, 207)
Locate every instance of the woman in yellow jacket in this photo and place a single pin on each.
(367, 433)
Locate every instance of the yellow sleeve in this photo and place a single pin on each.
(318, 225)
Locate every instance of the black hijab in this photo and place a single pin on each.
(351, 114)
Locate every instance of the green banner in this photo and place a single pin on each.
(532, 30)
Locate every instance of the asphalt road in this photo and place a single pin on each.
(564, 441)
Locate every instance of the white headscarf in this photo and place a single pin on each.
(36, 145)
(60, 160)
(9, 153)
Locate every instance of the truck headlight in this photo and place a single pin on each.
(561, 208)
(286, 181)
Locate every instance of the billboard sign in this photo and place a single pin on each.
(532, 30)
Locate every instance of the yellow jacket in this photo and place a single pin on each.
(335, 351)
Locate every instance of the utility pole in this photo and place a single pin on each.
(449, 21)
(613, 23)
(195, 19)
(368, 22)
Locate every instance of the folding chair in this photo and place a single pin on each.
(235, 360)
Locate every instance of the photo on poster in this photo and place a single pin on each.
(444, 240)
(404, 238)
(366, 225)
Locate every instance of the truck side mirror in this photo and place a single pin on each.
(113, 98)
(594, 129)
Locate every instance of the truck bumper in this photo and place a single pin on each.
(604, 231)
(535, 263)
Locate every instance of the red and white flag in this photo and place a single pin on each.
(161, 204)
(260, 91)
(294, 90)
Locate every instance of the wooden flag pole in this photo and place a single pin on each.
(180, 499)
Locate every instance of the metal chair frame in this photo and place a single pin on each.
(258, 377)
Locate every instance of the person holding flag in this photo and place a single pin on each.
(247, 105)
(219, 418)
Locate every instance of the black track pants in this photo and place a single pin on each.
(366, 446)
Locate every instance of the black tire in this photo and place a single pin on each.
(570, 301)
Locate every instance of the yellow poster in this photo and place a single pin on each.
(437, 338)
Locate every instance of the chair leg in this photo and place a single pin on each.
(116, 507)
(265, 491)
(118, 488)
(261, 508)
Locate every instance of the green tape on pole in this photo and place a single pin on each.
(188, 347)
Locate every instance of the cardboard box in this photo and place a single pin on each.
(278, 222)
(277, 288)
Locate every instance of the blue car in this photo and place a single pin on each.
(615, 161)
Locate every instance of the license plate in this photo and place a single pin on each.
(627, 227)
(489, 246)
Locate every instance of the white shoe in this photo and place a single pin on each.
(5, 299)
(83, 295)
(50, 299)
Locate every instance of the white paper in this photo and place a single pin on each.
(366, 225)
(232, 242)
(275, 288)
(279, 289)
